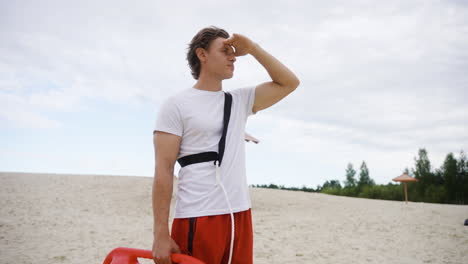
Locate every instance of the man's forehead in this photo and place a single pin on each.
(219, 42)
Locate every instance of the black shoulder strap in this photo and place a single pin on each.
(226, 117)
(211, 155)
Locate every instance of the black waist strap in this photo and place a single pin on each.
(197, 158)
(211, 155)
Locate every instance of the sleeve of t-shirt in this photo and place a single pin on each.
(169, 119)
(247, 96)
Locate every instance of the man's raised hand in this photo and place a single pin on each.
(242, 44)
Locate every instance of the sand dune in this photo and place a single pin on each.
(48, 218)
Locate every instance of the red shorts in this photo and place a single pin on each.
(208, 238)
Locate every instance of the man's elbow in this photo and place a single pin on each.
(293, 84)
(296, 82)
(163, 173)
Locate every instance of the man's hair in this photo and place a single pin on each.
(203, 40)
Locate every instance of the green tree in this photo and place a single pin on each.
(438, 177)
(350, 173)
(406, 171)
(272, 186)
(331, 187)
(422, 172)
(332, 184)
(364, 178)
(449, 183)
(462, 179)
(449, 174)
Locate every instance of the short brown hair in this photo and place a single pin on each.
(203, 40)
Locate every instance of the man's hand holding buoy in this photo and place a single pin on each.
(163, 247)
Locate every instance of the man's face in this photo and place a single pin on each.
(220, 59)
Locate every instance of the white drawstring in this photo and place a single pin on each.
(218, 181)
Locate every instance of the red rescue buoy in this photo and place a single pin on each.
(124, 255)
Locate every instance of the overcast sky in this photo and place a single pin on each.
(81, 83)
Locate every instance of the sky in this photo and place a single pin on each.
(81, 83)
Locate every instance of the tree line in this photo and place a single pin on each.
(447, 184)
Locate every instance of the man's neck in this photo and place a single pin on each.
(208, 84)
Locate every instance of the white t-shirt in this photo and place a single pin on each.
(197, 116)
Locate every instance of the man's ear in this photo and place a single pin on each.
(201, 54)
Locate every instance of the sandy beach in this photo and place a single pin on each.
(52, 218)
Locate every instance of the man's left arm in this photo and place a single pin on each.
(284, 81)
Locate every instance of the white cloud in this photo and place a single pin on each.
(14, 110)
(378, 80)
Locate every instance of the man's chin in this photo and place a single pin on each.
(229, 76)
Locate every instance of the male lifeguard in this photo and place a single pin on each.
(191, 122)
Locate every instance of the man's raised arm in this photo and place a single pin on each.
(284, 81)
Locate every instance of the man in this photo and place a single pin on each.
(192, 122)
